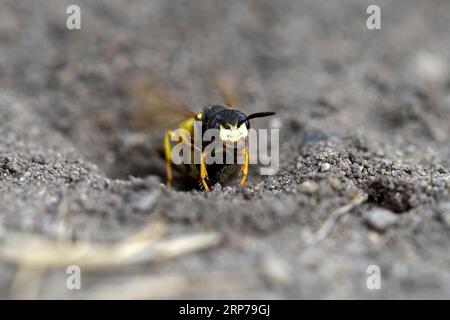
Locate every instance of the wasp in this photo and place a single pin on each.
(232, 124)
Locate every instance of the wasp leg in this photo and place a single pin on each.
(203, 172)
(168, 153)
(244, 168)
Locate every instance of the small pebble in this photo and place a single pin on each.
(276, 272)
(39, 159)
(335, 183)
(74, 176)
(325, 167)
(309, 187)
(14, 166)
(380, 219)
(146, 201)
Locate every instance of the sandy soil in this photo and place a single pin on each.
(364, 173)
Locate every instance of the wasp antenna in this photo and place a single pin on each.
(258, 115)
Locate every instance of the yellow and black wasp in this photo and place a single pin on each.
(232, 124)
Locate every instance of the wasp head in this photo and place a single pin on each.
(233, 124)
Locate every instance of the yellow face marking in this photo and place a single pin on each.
(233, 134)
(199, 116)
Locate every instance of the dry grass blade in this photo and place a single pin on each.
(36, 251)
(329, 224)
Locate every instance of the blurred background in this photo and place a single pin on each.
(77, 166)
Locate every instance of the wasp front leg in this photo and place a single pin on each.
(203, 172)
(244, 168)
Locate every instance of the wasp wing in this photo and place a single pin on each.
(227, 89)
(153, 107)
